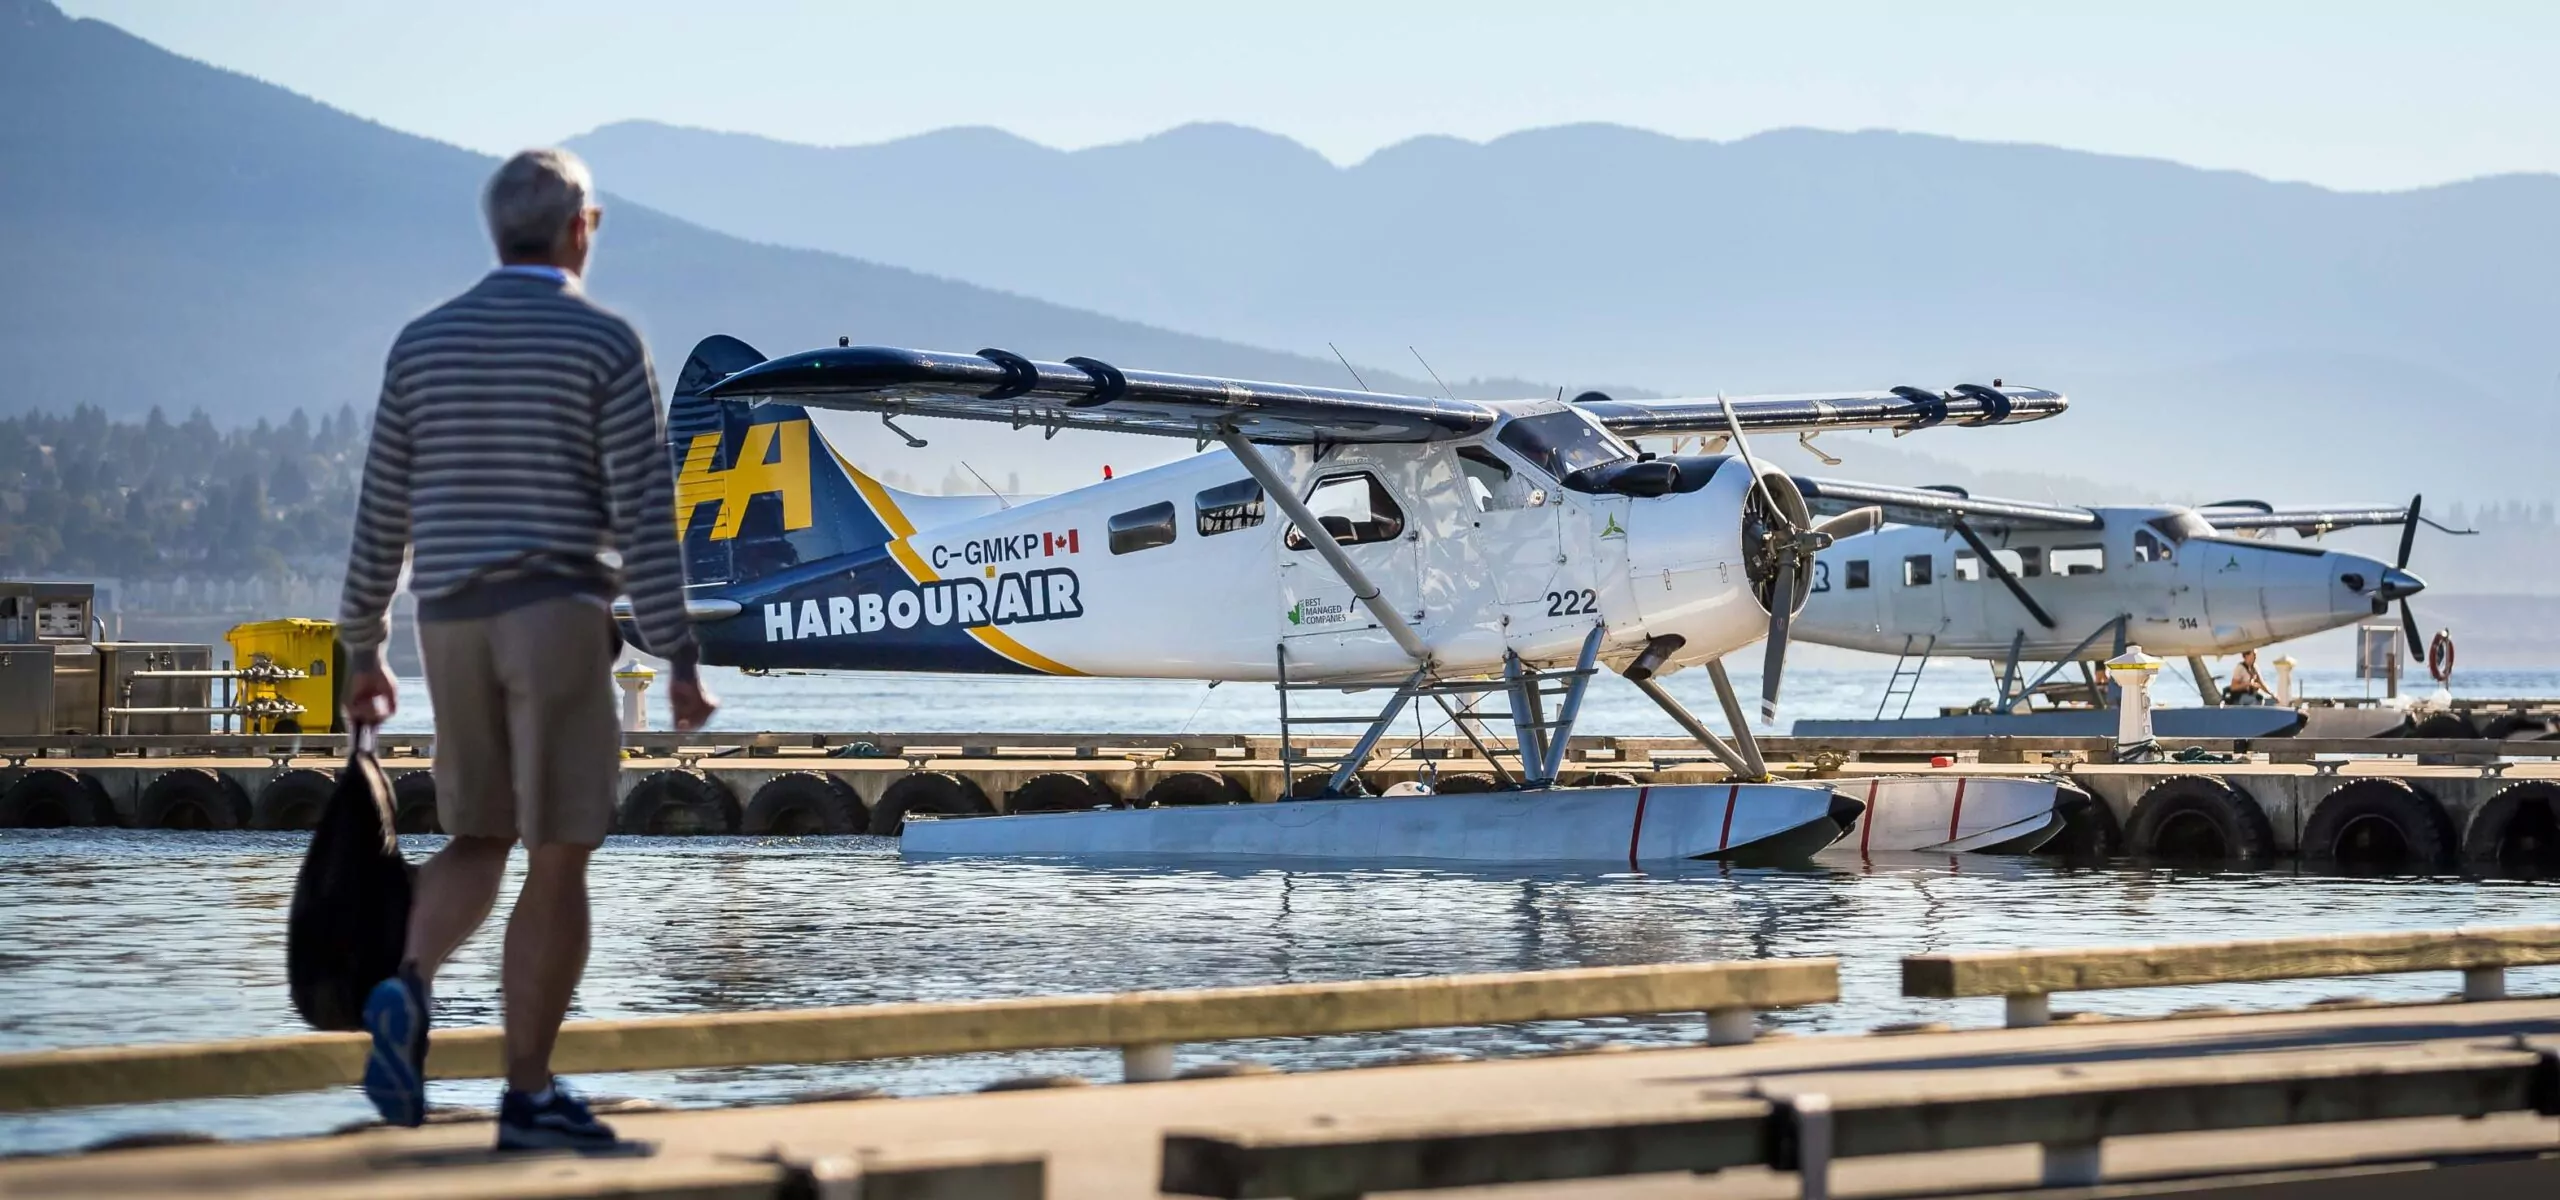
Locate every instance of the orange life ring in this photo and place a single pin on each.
(2440, 657)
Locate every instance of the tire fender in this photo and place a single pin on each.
(677, 802)
(2493, 839)
(803, 803)
(293, 800)
(1184, 788)
(54, 798)
(2171, 806)
(1060, 791)
(413, 803)
(938, 792)
(2332, 834)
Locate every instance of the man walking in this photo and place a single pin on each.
(517, 442)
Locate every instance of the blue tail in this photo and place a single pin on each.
(758, 489)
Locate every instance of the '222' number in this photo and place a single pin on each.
(1573, 604)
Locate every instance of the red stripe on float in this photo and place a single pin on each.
(1636, 834)
(1867, 823)
(1726, 838)
(1957, 817)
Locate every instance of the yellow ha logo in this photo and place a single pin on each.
(787, 473)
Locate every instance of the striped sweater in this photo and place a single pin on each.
(518, 435)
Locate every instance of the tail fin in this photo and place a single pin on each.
(758, 489)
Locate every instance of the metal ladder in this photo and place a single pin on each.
(1905, 681)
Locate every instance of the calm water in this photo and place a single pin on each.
(115, 936)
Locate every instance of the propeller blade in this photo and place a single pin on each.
(1852, 523)
(1777, 516)
(1773, 666)
(2409, 623)
(2408, 540)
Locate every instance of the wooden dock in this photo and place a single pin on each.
(2457, 1097)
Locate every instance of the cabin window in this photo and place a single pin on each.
(2025, 563)
(1857, 573)
(1915, 571)
(1355, 509)
(1562, 442)
(1968, 567)
(1489, 480)
(1229, 507)
(2149, 547)
(1142, 528)
(2078, 560)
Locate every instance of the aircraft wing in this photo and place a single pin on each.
(1902, 409)
(2309, 520)
(1939, 506)
(1082, 393)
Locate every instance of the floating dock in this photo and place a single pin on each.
(2393, 803)
(2337, 1100)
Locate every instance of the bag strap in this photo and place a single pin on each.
(361, 737)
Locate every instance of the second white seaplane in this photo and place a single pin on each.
(1438, 548)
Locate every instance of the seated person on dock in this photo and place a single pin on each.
(2247, 686)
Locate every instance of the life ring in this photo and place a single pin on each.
(2378, 825)
(804, 804)
(294, 800)
(1060, 791)
(192, 798)
(1186, 788)
(2518, 831)
(2440, 656)
(676, 803)
(938, 792)
(2198, 818)
(54, 798)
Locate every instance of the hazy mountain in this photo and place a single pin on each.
(178, 235)
(2283, 336)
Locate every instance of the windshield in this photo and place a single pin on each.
(1562, 443)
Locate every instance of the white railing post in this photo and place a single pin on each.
(2073, 1164)
(1813, 1146)
(1147, 1063)
(2484, 983)
(1732, 1026)
(2029, 1010)
(634, 678)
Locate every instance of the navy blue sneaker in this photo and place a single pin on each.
(560, 1122)
(395, 1073)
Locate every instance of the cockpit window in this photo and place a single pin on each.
(1562, 443)
(2149, 547)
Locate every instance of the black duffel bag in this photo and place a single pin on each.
(349, 924)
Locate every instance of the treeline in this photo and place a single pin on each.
(85, 496)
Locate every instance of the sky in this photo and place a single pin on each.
(2349, 95)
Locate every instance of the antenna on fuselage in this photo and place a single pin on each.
(1346, 365)
(1435, 378)
(1001, 502)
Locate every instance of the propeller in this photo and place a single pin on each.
(1784, 553)
(2398, 584)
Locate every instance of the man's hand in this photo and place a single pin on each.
(693, 704)
(371, 695)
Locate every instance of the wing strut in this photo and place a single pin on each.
(2000, 570)
(1286, 497)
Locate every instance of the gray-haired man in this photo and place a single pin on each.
(518, 440)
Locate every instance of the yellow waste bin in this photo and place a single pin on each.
(298, 644)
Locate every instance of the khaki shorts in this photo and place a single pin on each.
(528, 745)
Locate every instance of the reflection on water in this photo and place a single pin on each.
(114, 936)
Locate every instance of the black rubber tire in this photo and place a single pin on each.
(192, 798)
(804, 804)
(2378, 825)
(1060, 791)
(1465, 783)
(2517, 832)
(413, 803)
(1311, 787)
(54, 798)
(293, 800)
(2090, 831)
(1603, 779)
(938, 792)
(2197, 818)
(677, 803)
(1189, 788)
(2444, 725)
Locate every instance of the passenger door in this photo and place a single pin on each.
(1324, 626)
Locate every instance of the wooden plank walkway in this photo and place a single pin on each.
(1106, 1141)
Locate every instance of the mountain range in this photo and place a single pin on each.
(2245, 336)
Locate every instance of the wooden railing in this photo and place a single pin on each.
(1146, 1026)
(2028, 978)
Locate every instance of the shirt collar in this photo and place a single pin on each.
(537, 271)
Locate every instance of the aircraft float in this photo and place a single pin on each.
(1441, 548)
(2018, 582)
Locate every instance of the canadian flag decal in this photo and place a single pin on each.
(1052, 544)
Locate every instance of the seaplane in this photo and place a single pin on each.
(2018, 583)
(1317, 539)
